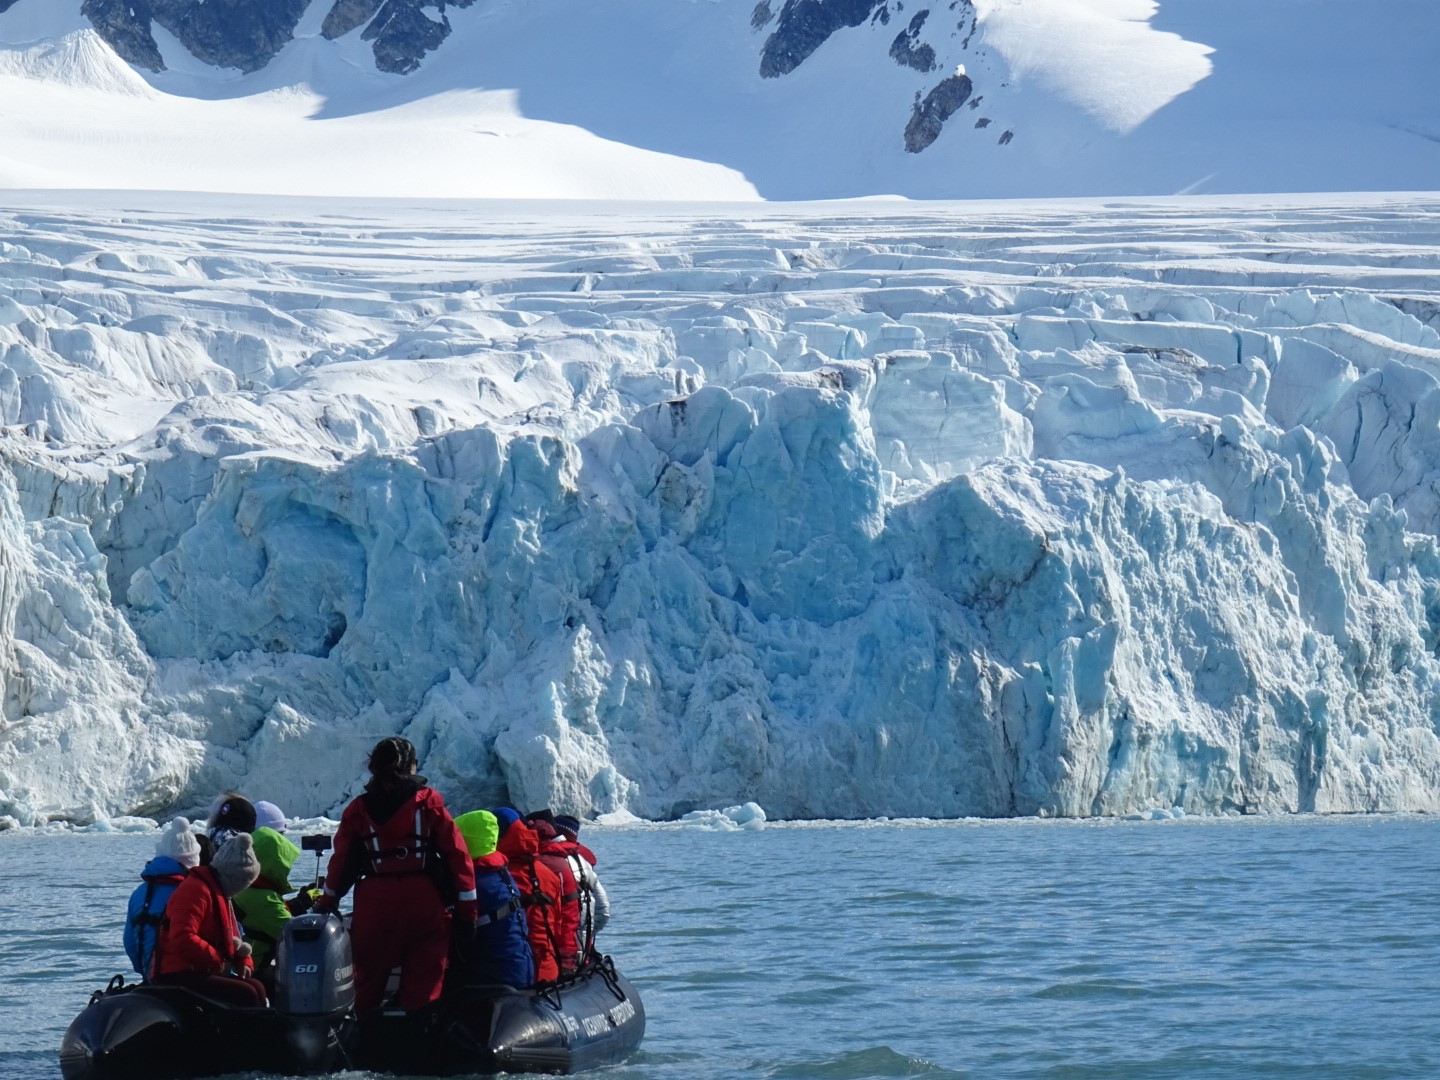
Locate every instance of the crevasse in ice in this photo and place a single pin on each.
(905, 512)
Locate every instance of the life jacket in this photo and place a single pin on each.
(540, 891)
(417, 837)
(199, 931)
(502, 952)
(160, 878)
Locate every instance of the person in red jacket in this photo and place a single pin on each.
(540, 889)
(199, 946)
(400, 844)
(553, 854)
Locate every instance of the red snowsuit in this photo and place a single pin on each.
(196, 946)
(399, 845)
(540, 888)
(573, 850)
(554, 852)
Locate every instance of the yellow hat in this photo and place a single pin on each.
(480, 830)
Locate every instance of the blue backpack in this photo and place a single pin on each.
(160, 878)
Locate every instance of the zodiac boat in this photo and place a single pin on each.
(149, 1032)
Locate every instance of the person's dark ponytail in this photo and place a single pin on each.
(390, 763)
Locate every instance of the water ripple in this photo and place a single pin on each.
(1271, 949)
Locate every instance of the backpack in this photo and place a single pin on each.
(142, 922)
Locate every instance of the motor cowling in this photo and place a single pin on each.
(315, 970)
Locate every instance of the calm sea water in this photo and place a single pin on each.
(1301, 947)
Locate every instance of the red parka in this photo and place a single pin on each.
(541, 889)
(199, 931)
(554, 852)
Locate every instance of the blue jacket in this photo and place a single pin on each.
(160, 878)
(501, 950)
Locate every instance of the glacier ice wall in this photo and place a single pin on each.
(876, 511)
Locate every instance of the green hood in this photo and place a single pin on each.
(277, 855)
(480, 830)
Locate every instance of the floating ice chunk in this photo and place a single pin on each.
(748, 817)
(618, 819)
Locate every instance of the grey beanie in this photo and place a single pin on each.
(234, 865)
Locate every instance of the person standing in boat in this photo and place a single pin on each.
(177, 852)
(199, 945)
(500, 952)
(399, 843)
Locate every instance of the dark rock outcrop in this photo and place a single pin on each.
(401, 32)
(244, 34)
(761, 16)
(908, 51)
(6, 5)
(125, 26)
(929, 116)
(346, 15)
(804, 26)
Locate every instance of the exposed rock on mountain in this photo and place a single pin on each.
(930, 115)
(402, 33)
(346, 15)
(805, 25)
(244, 34)
(125, 24)
(907, 49)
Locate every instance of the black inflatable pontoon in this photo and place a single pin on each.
(150, 1032)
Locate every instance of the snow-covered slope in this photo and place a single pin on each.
(310, 123)
(954, 509)
(703, 99)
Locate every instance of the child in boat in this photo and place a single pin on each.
(176, 853)
(231, 813)
(500, 950)
(200, 946)
(261, 908)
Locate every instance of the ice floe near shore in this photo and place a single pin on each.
(898, 511)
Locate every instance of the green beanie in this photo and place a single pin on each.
(480, 830)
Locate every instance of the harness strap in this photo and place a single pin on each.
(418, 844)
(504, 911)
(146, 917)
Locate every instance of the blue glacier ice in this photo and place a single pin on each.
(874, 512)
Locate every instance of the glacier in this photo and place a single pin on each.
(846, 510)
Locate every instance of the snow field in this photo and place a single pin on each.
(880, 510)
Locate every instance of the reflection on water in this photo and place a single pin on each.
(1296, 947)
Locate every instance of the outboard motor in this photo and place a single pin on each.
(315, 987)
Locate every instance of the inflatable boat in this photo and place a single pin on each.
(154, 1032)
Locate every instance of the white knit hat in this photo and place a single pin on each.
(179, 843)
